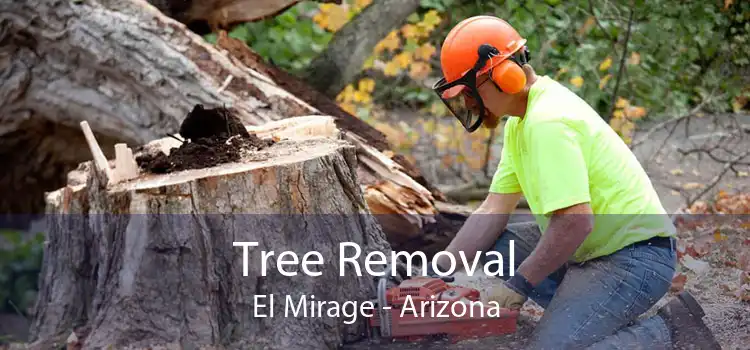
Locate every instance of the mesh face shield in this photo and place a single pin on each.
(461, 96)
(463, 100)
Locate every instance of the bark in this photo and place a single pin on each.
(150, 261)
(206, 16)
(353, 43)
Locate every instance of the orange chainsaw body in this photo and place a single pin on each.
(421, 307)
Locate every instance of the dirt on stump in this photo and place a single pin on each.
(212, 137)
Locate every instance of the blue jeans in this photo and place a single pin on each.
(596, 304)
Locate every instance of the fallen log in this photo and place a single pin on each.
(205, 16)
(150, 260)
(133, 74)
(474, 191)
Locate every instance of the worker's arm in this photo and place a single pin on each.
(568, 228)
(482, 228)
(561, 170)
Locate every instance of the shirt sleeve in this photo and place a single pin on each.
(505, 180)
(558, 166)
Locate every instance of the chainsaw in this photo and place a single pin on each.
(425, 307)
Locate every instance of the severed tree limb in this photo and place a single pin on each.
(205, 16)
(474, 191)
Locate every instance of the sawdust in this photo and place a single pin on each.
(212, 137)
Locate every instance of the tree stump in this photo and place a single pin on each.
(151, 260)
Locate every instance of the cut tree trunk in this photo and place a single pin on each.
(151, 261)
(133, 74)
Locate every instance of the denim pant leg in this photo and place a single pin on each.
(525, 236)
(598, 302)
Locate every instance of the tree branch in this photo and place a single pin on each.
(729, 165)
(344, 56)
(622, 62)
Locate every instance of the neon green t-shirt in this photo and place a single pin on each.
(562, 153)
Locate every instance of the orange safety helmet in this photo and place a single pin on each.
(475, 46)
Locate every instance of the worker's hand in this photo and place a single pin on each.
(511, 294)
(504, 296)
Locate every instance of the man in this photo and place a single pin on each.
(602, 251)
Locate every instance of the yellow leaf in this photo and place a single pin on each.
(419, 70)
(742, 174)
(321, 19)
(431, 18)
(403, 59)
(692, 186)
(577, 81)
(346, 94)
(676, 172)
(360, 96)
(606, 64)
(390, 42)
(728, 3)
(327, 7)
(618, 114)
(603, 81)
(616, 123)
(367, 84)
(627, 127)
(409, 31)
(349, 107)
(635, 58)
(621, 102)
(635, 112)
(338, 17)
(425, 51)
(360, 4)
(391, 69)
(718, 236)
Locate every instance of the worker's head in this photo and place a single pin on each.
(485, 75)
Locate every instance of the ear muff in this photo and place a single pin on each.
(509, 77)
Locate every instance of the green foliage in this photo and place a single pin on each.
(20, 263)
(676, 55)
(440, 5)
(290, 40)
